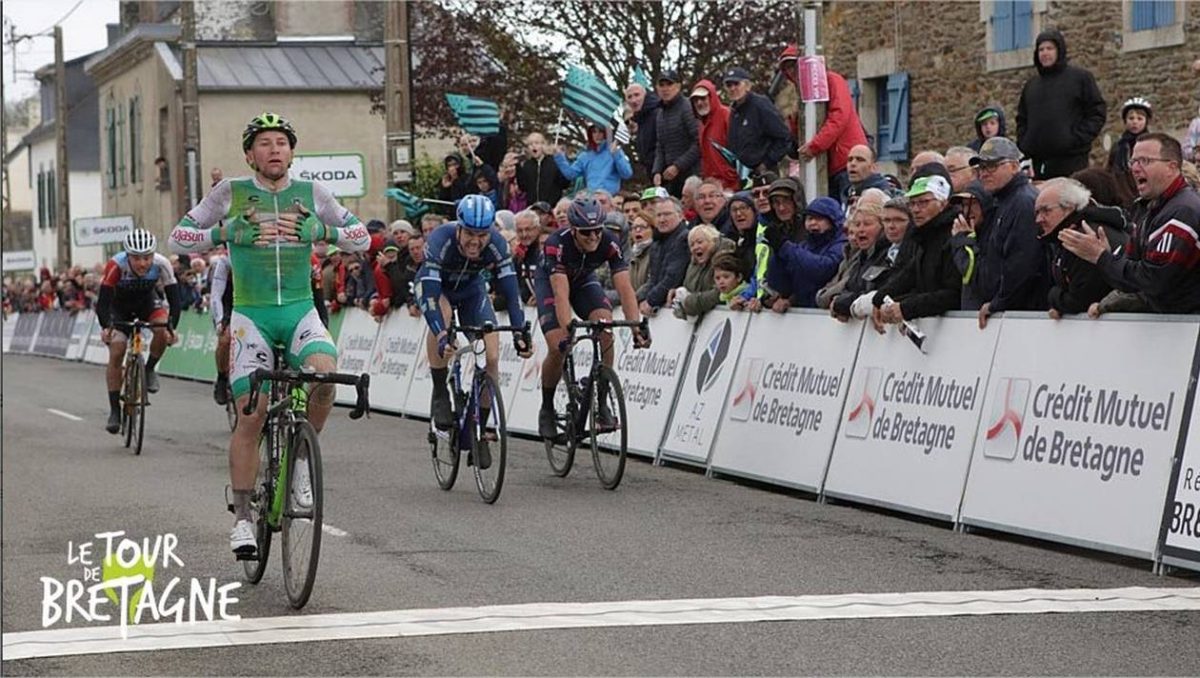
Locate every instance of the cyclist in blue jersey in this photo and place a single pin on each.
(567, 280)
(457, 257)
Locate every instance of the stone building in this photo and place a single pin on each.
(922, 69)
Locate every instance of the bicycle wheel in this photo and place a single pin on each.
(141, 400)
(608, 439)
(129, 397)
(260, 505)
(489, 480)
(560, 450)
(302, 523)
(443, 445)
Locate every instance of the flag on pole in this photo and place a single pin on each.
(619, 128)
(587, 96)
(640, 77)
(414, 207)
(475, 116)
(742, 170)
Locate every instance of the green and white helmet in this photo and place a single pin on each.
(267, 122)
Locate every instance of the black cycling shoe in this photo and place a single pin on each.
(151, 381)
(221, 392)
(114, 422)
(481, 456)
(605, 419)
(547, 423)
(443, 414)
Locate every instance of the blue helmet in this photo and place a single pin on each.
(476, 212)
(585, 214)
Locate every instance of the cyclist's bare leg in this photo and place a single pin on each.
(116, 355)
(243, 445)
(223, 342)
(320, 399)
(606, 338)
(552, 366)
(491, 349)
(158, 344)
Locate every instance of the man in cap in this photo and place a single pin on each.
(643, 106)
(393, 279)
(652, 195)
(929, 284)
(1010, 273)
(677, 147)
(757, 134)
(713, 117)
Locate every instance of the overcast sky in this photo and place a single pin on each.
(83, 33)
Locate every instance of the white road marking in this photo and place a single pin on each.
(534, 616)
(64, 415)
(326, 527)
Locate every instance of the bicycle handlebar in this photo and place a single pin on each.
(361, 384)
(140, 324)
(642, 326)
(488, 328)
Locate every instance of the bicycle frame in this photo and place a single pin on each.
(476, 346)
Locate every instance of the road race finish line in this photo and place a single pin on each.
(540, 616)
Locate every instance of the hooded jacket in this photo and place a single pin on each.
(798, 270)
(647, 130)
(1003, 265)
(600, 167)
(974, 145)
(842, 129)
(669, 259)
(541, 181)
(698, 281)
(757, 133)
(678, 141)
(715, 127)
(460, 186)
(1061, 109)
(485, 170)
(928, 284)
(1077, 284)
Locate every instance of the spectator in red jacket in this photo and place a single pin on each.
(841, 131)
(714, 126)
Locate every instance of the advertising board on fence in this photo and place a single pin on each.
(1181, 520)
(354, 347)
(95, 351)
(909, 423)
(782, 412)
(650, 378)
(1075, 445)
(400, 338)
(9, 325)
(54, 335)
(705, 385)
(79, 334)
(527, 400)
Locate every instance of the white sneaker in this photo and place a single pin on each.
(302, 495)
(241, 537)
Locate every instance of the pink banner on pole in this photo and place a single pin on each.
(814, 84)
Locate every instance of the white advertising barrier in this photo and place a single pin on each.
(355, 344)
(527, 400)
(781, 415)
(908, 426)
(1077, 441)
(94, 351)
(79, 334)
(400, 338)
(650, 378)
(420, 387)
(10, 324)
(706, 381)
(1181, 519)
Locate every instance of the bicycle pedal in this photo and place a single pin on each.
(247, 556)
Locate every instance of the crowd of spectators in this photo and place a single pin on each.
(706, 204)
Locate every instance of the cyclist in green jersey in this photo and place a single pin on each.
(269, 221)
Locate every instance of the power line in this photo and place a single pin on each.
(71, 11)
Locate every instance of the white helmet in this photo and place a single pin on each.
(1138, 103)
(140, 241)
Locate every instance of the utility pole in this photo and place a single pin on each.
(6, 184)
(397, 99)
(62, 170)
(191, 104)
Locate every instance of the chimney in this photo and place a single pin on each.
(114, 32)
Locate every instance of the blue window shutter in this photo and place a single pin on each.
(1164, 13)
(897, 93)
(1143, 15)
(1002, 26)
(1022, 23)
(855, 92)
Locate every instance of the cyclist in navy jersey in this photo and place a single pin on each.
(457, 256)
(567, 281)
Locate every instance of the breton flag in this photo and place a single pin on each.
(617, 123)
(742, 170)
(414, 207)
(476, 116)
(640, 77)
(587, 96)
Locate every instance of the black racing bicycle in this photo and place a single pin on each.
(595, 407)
(134, 397)
(480, 423)
(287, 494)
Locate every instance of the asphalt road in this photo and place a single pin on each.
(666, 533)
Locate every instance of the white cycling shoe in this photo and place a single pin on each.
(241, 537)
